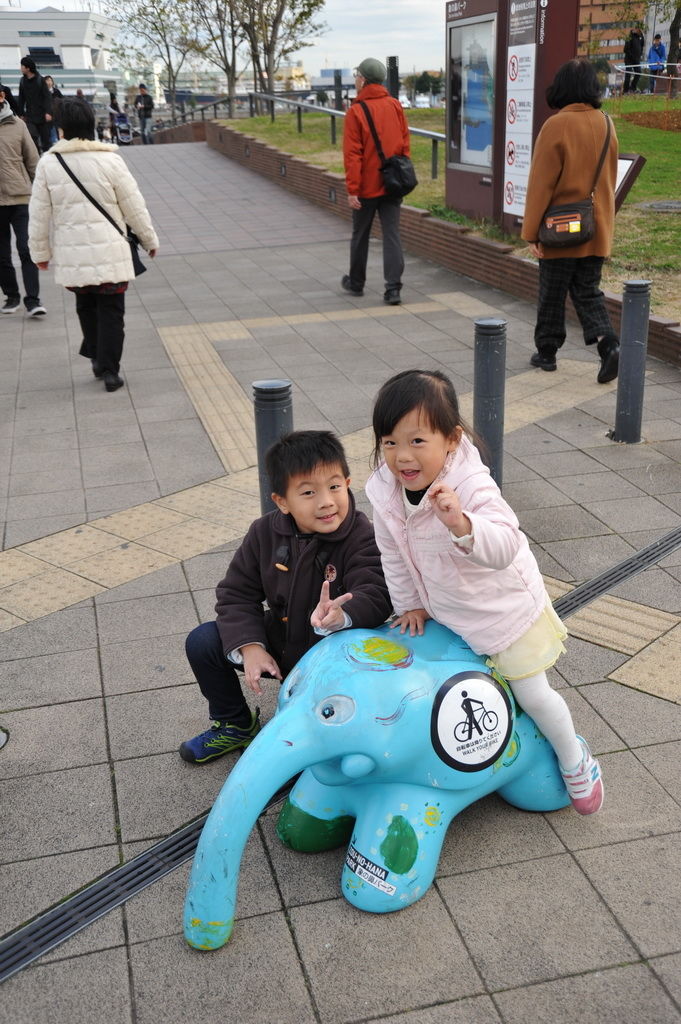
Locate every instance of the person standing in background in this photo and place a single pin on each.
(35, 104)
(56, 96)
(633, 55)
(145, 107)
(657, 60)
(18, 160)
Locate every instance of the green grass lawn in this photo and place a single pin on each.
(647, 243)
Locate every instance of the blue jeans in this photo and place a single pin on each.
(145, 131)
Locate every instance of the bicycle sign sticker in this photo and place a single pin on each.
(471, 721)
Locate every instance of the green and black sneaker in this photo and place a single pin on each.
(220, 739)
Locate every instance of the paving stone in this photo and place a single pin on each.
(69, 630)
(589, 556)
(641, 900)
(151, 722)
(71, 990)
(635, 805)
(589, 724)
(212, 980)
(584, 662)
(557, 524)
(664, 761)
(668, 970)
(170, 580)
(302, 878)
(22, 531)
(478, 1010)
(638, 718)
(70, 810)
(146, 617)
(652, 670)
(32, 886)
(491, 832)
(437, 969)
(561, 463)
(173, 793)
(553, 922)
(621, 995)
(53, 503)
(54, 737)
(142, 664)
(531, 494)
(654, 587)
(619, 515)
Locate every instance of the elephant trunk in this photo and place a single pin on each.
(275, 756)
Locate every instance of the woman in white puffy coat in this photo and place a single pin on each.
(91, 258)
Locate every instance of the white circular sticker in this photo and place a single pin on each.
(471, 721)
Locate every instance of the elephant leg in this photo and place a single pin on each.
(395, 846)
(315, 817)
(537, 785)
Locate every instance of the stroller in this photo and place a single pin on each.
(121, 129)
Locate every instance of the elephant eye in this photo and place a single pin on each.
(335, 710)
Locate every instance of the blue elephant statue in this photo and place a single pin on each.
(394, 736)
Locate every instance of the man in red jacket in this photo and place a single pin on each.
(366, 194)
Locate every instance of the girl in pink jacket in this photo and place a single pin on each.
(452, 550)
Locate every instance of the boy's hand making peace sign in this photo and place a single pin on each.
(329, 614)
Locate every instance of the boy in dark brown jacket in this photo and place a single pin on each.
(313, 560)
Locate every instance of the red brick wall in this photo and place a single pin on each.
(443, 242)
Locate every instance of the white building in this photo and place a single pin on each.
(72, 46)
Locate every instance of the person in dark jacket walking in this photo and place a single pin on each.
(56, 95)
(35, 104)
(364, 181)
(314, 560)
(633, 55)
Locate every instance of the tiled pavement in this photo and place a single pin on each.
(120, 515)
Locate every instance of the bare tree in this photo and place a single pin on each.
(221, 34)
(157, 31)
(274, 29)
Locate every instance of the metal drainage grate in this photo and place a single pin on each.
(22, 947)
(587, 592)
(39, 936)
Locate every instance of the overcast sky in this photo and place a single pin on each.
(412, 30)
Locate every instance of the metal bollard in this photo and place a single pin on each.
(488, 391)
(273, 409)
(632, 366)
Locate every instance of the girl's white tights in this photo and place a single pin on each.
(551, 714)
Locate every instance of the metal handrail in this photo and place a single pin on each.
(300, 106)
(271, 99)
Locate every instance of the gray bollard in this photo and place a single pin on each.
(632, 366)
(488, 391)
(273, 407)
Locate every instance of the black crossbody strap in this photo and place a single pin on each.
(372, 128)
(603, 152)
(85, 192)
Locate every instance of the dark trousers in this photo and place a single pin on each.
(16, 218)
(580, 277)
(217, 678)
(101, 320)
(40, 132)
(654, 75)
(631, 78)
(393, 261)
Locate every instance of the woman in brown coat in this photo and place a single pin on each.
(564, 163)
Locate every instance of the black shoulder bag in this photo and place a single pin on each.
(399, 176)
(129, 235)
(573, 223)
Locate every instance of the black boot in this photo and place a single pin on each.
(609, 351)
